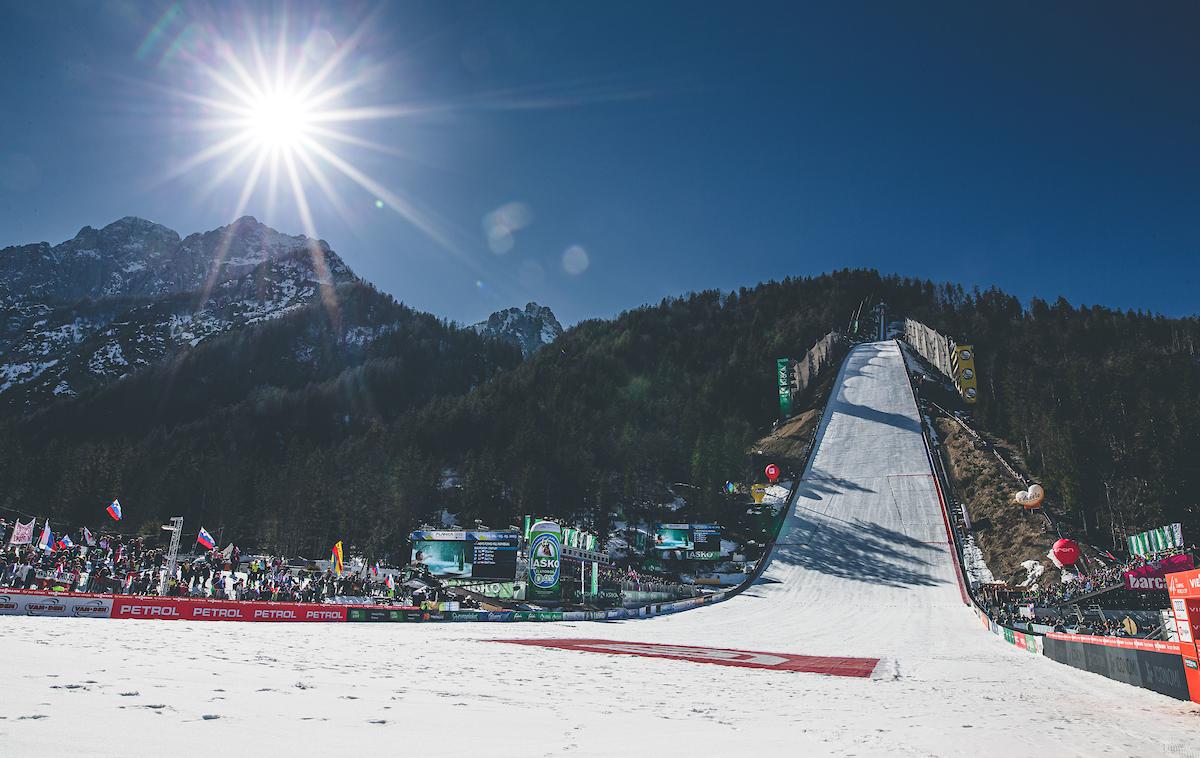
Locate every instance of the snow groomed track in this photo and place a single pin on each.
(862, 570)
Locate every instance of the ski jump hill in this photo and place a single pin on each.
(855, 640)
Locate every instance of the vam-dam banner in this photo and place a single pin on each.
(54, 604)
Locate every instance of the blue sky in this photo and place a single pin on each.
(680, 146)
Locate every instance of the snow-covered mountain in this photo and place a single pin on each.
(109, 301)
(529, 329)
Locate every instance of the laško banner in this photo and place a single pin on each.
(1153, 575)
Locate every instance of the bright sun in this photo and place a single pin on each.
(281, 115)
(279, 120)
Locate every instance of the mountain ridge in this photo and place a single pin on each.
(109, 301)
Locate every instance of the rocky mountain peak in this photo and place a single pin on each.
(529, 329)
(108, 301)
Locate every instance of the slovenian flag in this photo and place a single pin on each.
(205, 539)
(65, 542)
(114, 510)
(47, 538)
(391, 583)
(337, 559)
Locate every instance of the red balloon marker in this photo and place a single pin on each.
(1066, 551)
(772, 472)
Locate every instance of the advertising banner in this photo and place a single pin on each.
(545, 562)
(54, 604)
(382, 613)
(783, 370)
(569, 537)
(1184, 589)
(1155, 540)
(537, 615)
(962, 361)
(579, 539)
(501, 590)
(1153, 575)
(1151, 664)
(188, 609)
(470, 555)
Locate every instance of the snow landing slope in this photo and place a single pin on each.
(861, 569)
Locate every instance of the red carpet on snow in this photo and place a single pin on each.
(810, 664)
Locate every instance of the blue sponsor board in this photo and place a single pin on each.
(497, 616)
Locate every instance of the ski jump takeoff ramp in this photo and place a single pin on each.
(855, 641)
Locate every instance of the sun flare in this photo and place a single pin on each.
(279, 112)
(279, 120)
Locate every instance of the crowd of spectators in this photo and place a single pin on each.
(1046, 604)
(1059, 622)
(114, 563)
(109, 563)
(125, 564)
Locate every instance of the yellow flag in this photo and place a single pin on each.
(336, 558)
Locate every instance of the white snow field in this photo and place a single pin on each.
(862, 569)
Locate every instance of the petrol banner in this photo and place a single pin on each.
(188, 609)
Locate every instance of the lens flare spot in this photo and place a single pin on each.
(378, 203)
(575, 260)
(501, 224)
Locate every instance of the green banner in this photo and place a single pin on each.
(537, 616)
(545, 562)
(783, 368)
(1156, 540)
(383, 614)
